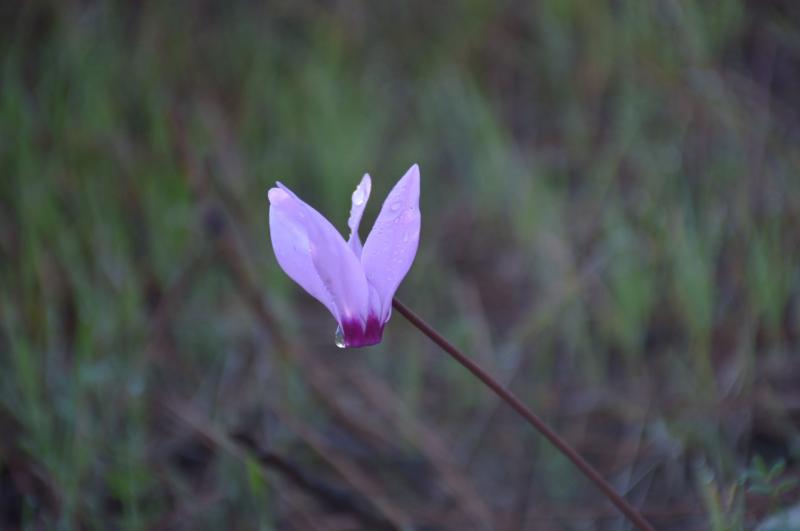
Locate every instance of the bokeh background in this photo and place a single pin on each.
(611, 226)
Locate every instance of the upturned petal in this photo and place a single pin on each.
(336, 266)
(359, 198)
(287, 229)
(392, 244)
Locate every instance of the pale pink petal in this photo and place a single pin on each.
(392, 244)
(336, 266)
(360, 198)
(290, 243)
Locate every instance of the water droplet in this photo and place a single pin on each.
(395, 206)
(339, 337)
(359, 196)
(408, 216)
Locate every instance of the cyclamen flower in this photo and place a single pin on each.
(355, 283)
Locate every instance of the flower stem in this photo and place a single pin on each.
(588, 470)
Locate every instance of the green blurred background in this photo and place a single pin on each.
(611, 225)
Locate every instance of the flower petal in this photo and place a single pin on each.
(336, 265)
(292, 248)
(360, 198)
(392, 244)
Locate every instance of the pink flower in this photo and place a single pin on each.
(355, 283)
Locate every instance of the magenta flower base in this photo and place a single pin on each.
(358, 335)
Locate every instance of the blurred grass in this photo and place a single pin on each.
(611, 223)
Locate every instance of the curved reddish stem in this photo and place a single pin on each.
(588, 470)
